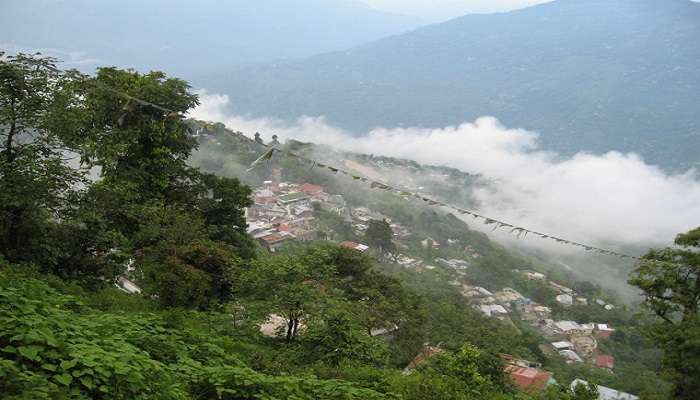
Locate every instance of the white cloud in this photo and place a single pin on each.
(67, 58)
(599, 199)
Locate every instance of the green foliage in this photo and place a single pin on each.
(670, 280)
(36, 184)
(338, 337)
(379, 235)
(194, 331)
(55, 346)
(466, 374)
(196, 275)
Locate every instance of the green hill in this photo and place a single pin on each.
(593, 75)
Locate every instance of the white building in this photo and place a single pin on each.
(606, 393)
(534, 276)
(567, 326)
(493, 310)
(563, 345)
(565, 299)
(483, 291)
(570, 356)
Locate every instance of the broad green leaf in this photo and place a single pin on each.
(64, 379)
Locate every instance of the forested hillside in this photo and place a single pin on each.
(128, 269)
(587, 75)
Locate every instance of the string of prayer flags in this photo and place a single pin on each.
(377, 185)
(269, 153)
(266, 156)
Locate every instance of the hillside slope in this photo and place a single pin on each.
(589, 75)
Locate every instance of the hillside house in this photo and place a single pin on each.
(293, 198)
(508, 295)
(584, 344)
(534, 276)
(408, 262)
(605, 393)
(603, 331)
(562, 345)
(567, 326)
(560, 288)
(425, 354)
(312, 190)
(529, 379)
(565, 300)
(570, 356)
(430, 243)
(493, 310)
(355, 246)
(605, 362)
(454, 263)
(276, 240)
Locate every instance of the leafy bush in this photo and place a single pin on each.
(55, 346)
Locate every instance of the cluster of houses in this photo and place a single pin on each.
(579, 342)
(498, 305)
(566, 296)
(571, 340)
(283, 212)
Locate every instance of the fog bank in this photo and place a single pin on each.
(595, 198)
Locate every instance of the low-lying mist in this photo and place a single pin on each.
(601, 199)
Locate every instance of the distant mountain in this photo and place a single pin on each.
(592, 75)
(188, 37)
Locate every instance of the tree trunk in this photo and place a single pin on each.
(10, 238)
(290, 327)
(296, 327)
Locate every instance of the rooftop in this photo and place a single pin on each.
(425, 353)
(309, 188)
(355, 246)
(605, 361)
(294, 196)
(529, 378)
(606, 393)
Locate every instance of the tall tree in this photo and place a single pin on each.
(290, 286)
(670, 282)
(36, 181)
(380, 236)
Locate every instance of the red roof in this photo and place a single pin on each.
(604, 361)
(425, 353)
(284, 228)
(530, 379)
(349, 244)
(274, 238)
(311, 189)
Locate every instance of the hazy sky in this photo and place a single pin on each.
(445, 9)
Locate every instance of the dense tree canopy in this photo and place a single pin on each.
(670, 281)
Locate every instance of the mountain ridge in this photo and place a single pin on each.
(592, 76)
(156, 34)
